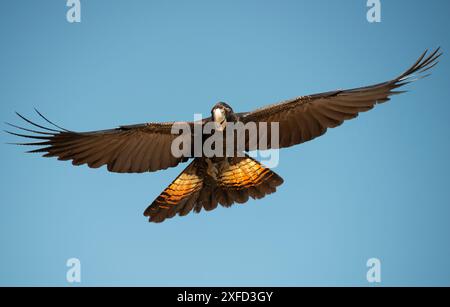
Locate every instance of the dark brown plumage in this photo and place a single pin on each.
(307, 117)
(205, 183)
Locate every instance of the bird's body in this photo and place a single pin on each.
(212, 179)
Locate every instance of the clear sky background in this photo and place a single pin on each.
(377, 186)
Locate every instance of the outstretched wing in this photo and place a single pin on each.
(127, 149)
(305, 118)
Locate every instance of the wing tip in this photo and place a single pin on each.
(424, 63)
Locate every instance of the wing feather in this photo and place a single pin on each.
(127, 149)
(304, 118)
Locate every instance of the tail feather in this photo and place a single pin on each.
(194, 189)
(189, 204)
(180, 196)
(245, 177)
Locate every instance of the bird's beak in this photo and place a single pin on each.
(220, 120)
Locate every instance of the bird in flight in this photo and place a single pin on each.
(211, 180)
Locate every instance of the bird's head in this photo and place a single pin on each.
(220, 114)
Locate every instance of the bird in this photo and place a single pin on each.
(212, 180)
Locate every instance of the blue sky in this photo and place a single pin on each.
(374, 187)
